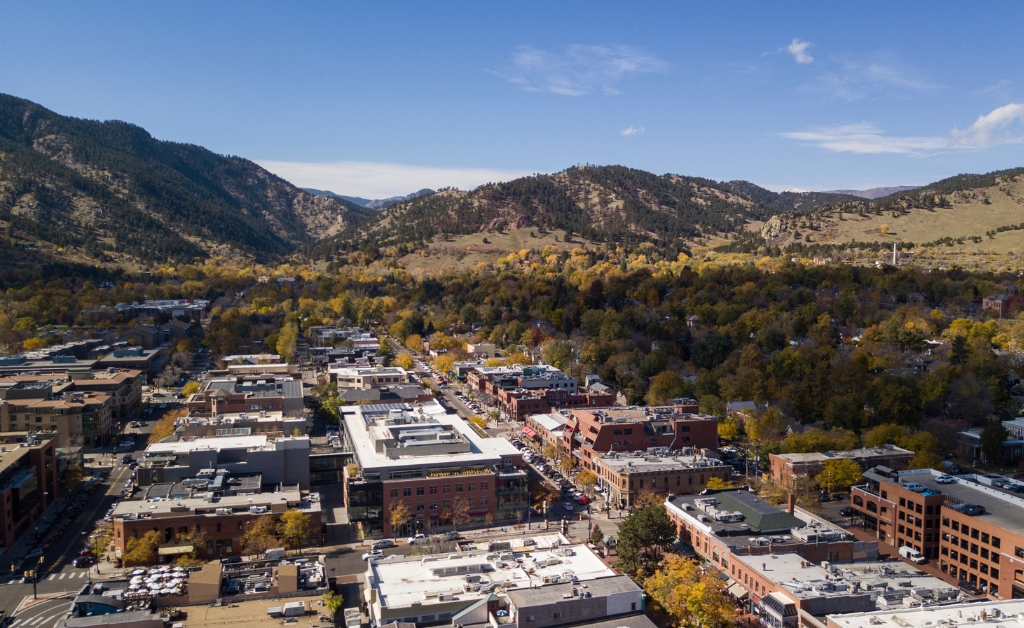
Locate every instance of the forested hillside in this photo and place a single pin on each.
(607, 203)
(102, 190)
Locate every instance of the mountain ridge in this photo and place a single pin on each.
(110, 188)
(374, 204)
(876, 193)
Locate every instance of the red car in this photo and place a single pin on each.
(584, 500)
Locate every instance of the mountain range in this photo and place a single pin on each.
(375, 204)
(110, 188)
(108, 191)
(876, 193)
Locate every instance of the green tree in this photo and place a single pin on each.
(768, 427)
(992, 437)
(665, 386)
(644, 536)
(839, 474)
(557, 353)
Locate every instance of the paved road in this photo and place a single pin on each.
(41, 614)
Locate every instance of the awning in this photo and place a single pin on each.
(174, 550)
(529, 432)
(738, 591)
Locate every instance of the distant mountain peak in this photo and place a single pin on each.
(876, 193)
(374, 204)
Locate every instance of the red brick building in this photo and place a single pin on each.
(518, 403)
(590, 433)
(28, 482)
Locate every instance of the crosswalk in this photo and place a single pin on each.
(71, 575)
(42, 620)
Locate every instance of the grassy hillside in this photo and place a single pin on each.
(104, 190)
(964, 220)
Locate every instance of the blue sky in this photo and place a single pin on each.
(378, 99)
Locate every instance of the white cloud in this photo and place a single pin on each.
(579, 70)
(984, 130)
(382, 180)
(798, 49)
(633, 130)
(988, 130)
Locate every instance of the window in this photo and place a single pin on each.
(974, 533)
(901, 529)
(995, 558)
(407, 491)
(885, 494)
(956, 525)
(419, 490)
(433, 504)
(458, 488)
(447, 488)
(945, 522)
(556, 615)
(858, 500)
(394, 492)
(471, 487)
(903, 516)
(483, 486)
(984, 537)
(917, 508)
(446, 504)
(974, 548)
(483, 501)
(995, 575)
(472, 502)
(995, 541)
(903, 502)
(218, 526)
(433, 490)
(419, 506)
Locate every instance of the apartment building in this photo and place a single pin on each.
(427, 459)
(77, 418)
(492, 379)
(123, 385)
(785, 469)
(589, 434)
(625, 476)
(240, 424)
(975, 532)
(221, 517)
(149, 361)
(546, 428)
(28, 482)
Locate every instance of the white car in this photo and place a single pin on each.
(373, 555)
(945, 479)
(567, 506)
(418, 538)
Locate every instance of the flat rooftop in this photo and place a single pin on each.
(741, 519)
(188, 506)
(402, 581)
(218, 443)
(852, 454)
(892, 579)
(1004, 613)
(251, 613)
(646, 463)
(359, 420)
(1002, 509)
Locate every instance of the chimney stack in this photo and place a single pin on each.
(791, 503)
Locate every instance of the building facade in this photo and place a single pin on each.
(785, 469)
(28, 482)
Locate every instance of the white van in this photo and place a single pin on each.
(912, 554)
(914, 486)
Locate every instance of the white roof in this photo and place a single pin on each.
(550, 422)
(403, 581)
(969, 614)
(219, 443)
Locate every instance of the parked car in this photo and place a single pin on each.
(945, 479)
(383, 544)
(230, 560)
(417, 538)
(846, 511)
(450, 536)
(126, 459)
(567, 506)
(373, 554)
(583, 500)
(916, 487)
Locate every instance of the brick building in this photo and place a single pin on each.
(76, 417)
(223, 519)
(519, 403)
(974, 532)
(785, 468)
(721, 525)
(590, 433)
(28, 482)
(546, 428)
(624, 476)
(427, 459)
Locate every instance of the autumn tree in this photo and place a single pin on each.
(189, 389)
(717, 484)
(398, 516)
(647, 499)
(286, 341)
(333, 601)
(666, 386)
(459, 512)
(259, 535)
(767, 427)
(142, 550)
(644, 536)
(728, 428)
(839, 474)
(295, 528)
(684, 595)
(414, 342)
(586, 481)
